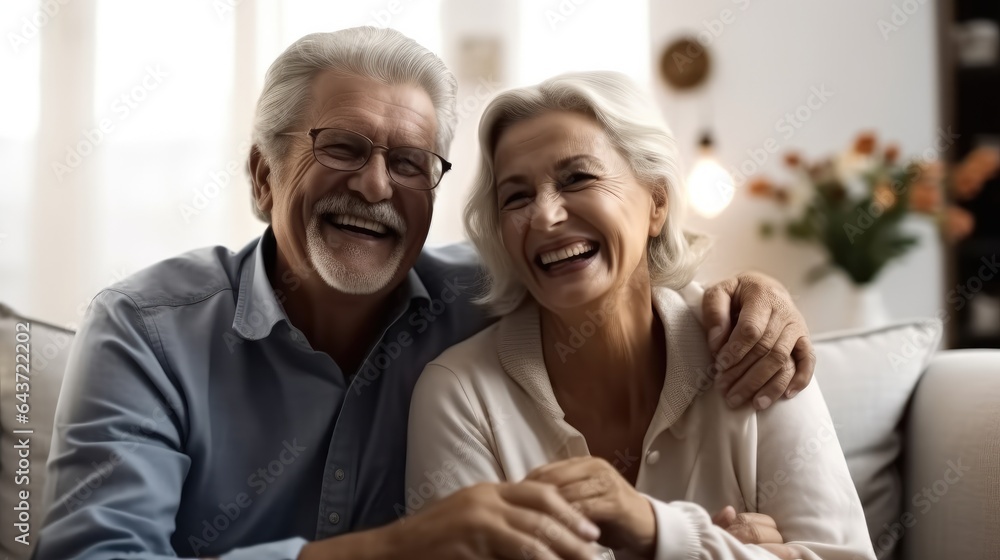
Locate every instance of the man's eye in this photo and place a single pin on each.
(407, 167)
(341, 150)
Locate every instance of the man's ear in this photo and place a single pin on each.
(658, 210)
(260, 176)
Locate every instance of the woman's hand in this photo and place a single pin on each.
(754, 528)
(767, 352)
(624, 516)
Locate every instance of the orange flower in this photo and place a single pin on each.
(891, 154)
(792, 159)
(957, 224)
(761, 187)
(985, 160)
(865, 143)
(925, 197)
(978, 167)
(966, 183)
(883, 194)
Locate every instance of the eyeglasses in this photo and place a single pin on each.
(345, 150)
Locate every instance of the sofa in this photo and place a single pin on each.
(920, 429)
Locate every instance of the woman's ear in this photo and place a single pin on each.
(658, 209)
(260, 176)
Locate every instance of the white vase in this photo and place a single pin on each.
(864, 307)
(836, 303)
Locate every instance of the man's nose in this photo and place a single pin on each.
(372, 181)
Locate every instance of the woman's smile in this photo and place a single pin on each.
(574, 219)
(566, 258)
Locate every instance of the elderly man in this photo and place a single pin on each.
(254, 404)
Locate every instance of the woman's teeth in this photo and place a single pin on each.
(354, 221)
(573, 250)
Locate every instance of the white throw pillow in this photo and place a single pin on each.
(868, 377)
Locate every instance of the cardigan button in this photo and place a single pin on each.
(652, 457)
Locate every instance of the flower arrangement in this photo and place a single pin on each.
(853, 204)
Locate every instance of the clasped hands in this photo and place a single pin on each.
(625, 518)
(557, 512)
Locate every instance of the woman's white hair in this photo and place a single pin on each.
(638, 132)
(384, 55)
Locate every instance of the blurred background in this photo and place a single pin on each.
(859, 133)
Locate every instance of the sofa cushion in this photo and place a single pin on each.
(868, 377)
(952, 458)
(47, 349)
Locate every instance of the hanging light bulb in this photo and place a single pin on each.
(710, 187)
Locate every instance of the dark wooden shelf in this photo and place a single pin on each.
(970, 105)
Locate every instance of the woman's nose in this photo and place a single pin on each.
(547, 210)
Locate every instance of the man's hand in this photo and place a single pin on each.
(754, 528)
(767, 352)
(506, 520)
(599, 491)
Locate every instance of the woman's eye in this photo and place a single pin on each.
(514, 198)
(576, 178)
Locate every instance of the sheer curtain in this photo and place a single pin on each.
(126, 124)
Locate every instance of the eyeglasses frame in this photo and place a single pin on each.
(315, 132)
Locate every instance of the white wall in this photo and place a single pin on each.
(61, 242)
(766, 59)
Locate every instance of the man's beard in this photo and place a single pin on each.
(341, 272)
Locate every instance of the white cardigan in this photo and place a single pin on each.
(484, 411)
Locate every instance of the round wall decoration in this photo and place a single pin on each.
(685, 63)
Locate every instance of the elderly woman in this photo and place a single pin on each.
(594, 381)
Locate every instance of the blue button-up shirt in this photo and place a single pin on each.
(195, 420)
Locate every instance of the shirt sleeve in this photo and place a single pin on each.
(802, 483)
(446, 444)
(117, 466)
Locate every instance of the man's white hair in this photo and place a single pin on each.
(384, 55)
(638, 132)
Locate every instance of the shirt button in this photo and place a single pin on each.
(339, 474)
(334, 518)
(652, 457)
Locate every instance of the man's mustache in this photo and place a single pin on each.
(382, 212)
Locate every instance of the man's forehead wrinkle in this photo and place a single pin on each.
(398, 133)
(339, 100)
(398, 119)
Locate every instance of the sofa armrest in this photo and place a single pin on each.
(951, 482)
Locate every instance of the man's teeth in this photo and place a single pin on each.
(346, 220)
(566, 252)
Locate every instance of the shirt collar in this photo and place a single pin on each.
(257, 308)
(688, 374)
(414, 288)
